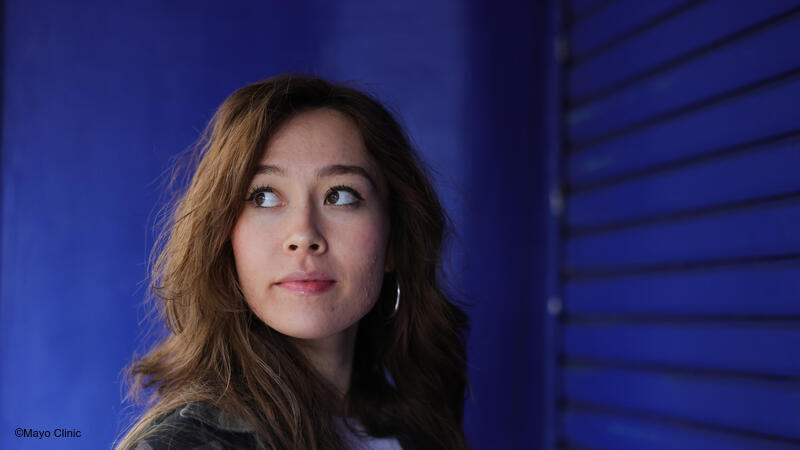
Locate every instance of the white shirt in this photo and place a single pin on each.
(355, 442)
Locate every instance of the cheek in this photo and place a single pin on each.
(366, 252)
(248, 252)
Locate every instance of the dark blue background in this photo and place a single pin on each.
(99, 95)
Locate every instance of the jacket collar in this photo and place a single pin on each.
(215, 417)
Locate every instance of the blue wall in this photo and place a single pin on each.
(681, 262)
(98, 96)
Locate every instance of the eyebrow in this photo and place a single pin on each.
(327, 171)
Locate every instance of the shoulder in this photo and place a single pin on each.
(198, 426)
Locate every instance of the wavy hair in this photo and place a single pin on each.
(409, 373)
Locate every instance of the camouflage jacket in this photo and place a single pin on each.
(203, 426)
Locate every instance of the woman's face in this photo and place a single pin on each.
(316, 210)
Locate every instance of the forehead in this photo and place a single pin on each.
(316, 138)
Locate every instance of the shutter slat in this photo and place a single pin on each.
(746, 290)
(758, 115)
(670, 40)
(732, 66)
(767, 230)
(756, 406)
(581, 7)
(615, 431)
(752, 348)
(614, 21)
(772, 170)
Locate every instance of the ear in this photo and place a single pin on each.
(389, 262)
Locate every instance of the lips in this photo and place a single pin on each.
(306, 287)
(301, 282)
(300, 275)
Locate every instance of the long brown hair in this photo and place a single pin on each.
(409, 371)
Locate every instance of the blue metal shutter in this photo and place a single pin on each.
(681, 233)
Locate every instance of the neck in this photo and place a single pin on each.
(332, 357)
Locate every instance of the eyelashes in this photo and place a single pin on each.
(352, 193)
(259, 195)
(266, 197)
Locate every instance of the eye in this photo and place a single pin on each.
(346, 194)
(263, 197)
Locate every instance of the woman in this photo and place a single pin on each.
(298, 276)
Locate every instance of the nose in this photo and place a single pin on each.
(304, 234)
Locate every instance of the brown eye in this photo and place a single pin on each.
(347, 195)
(264, 197)
(333, 197)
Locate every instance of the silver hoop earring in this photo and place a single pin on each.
(397, 302)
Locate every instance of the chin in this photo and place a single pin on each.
(309, 331)
(305, 334)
